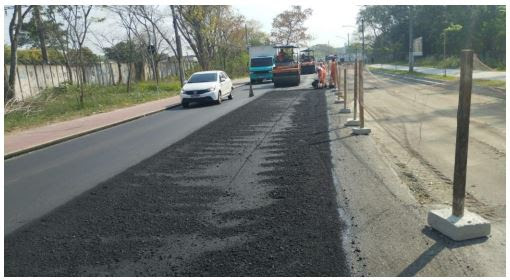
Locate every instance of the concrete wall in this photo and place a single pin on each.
(32, 79)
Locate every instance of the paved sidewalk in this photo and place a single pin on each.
(17, 143)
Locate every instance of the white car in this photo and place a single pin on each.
(206, 86)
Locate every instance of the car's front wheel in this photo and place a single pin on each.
(185, 104)
(219, 98)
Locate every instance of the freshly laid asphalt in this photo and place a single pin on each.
(37, 182)
(249, 194)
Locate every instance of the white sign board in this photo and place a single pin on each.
(418, 46)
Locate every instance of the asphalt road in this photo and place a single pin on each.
(250, 194)
(40, 181)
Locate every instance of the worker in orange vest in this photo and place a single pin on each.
(321, 71)
(332, 73)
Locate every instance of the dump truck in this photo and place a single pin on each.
(261, 63)
(287, 70)
(307, 60)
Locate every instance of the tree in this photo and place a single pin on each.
(288, 26)
(128, 22)
(60, 38)
(256, 37)
(199, 25)
(78, 21)
(39, 27)
(178, 45)
(122, 52)
(14, 31)
(483, 30)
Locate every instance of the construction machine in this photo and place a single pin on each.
(287, 70)
(307, 61)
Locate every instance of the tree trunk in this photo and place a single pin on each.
(39, 26)
(179, 48)
(119, 66)
(156, 70)
(129, 77)
(83, 79)
(14, 28)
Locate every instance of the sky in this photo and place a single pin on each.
(325, 24)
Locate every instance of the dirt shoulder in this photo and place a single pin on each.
(388, 190)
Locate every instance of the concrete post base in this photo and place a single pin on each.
(345, 111)
(466, 227)
(361, 131)
(352, 122)
(339, 100)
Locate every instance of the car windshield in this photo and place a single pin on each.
(203, 78)
(262, 61)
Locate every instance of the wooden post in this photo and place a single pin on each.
(345, 87)
(338, 77)
(360, 97)
(461, 147)
(355, 87)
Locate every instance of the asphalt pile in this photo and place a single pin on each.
(250, 194)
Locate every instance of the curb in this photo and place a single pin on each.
(66, 138)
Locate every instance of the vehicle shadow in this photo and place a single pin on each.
(191, 106)
(428, 255)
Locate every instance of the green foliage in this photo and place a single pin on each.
(481, 28)
(34, 56)
(61, 103)
(289, 28)
(490, 83)
(438, 62)
(123, 52)
(413, 74)
(321, 50)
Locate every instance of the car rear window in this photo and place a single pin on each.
(203, 78)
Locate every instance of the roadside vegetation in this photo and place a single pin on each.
(477, 82)
(61, 103)
(445, 30)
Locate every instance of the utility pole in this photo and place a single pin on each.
(348, 46)
(444, 42)
(362, 40)
(411, 55)
(444, 52)
(248, 64)
(179, 47)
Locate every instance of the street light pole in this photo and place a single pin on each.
(411, 55)
(444, 53)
